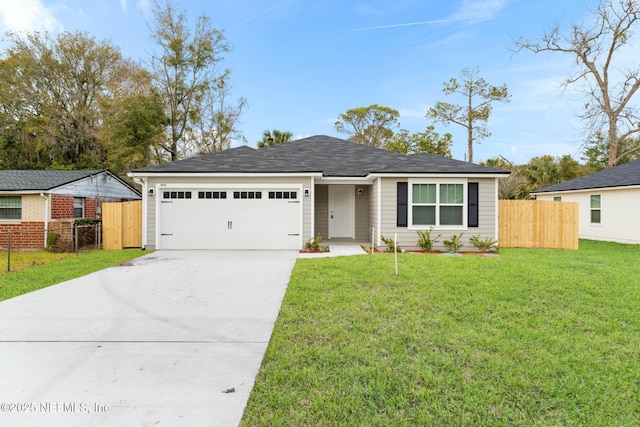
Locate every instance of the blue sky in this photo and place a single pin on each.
(300, 63)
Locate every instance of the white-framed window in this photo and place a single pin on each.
(438, 203)
(557, 198)
(11, 207)
(78, 207)
(596, 211)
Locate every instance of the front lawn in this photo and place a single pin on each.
(41, 276)
(28, 259)
(535, 337)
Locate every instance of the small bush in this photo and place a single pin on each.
(313, 244)
(455, 243)
(425, 241)
(391, 246)
(52, 238)
(483, 245)
(87, 221)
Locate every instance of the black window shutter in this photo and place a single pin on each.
(472, 220)
(403, 195)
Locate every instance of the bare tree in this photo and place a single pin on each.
(597, 47)
(188, 75)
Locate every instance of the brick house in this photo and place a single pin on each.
(34, 202)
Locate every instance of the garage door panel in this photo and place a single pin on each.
(258, 222)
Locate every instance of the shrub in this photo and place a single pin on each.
(484, 245)
(425, 241)
(52, 238)
(313, 244)
(87, 221)
(391, 246)
(455, 243)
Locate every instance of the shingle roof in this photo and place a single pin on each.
(41, 180)
(321, 154)
(619, 176)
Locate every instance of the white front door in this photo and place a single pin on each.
(342, 211)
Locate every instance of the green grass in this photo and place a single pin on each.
(24, 260)
(41, 276)
(533, 338)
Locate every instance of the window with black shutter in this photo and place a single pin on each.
(402, 199)
(472, 220)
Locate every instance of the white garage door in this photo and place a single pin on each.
(229, 218)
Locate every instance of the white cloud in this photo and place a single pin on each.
(28, 15)
(145, 7)
(479, 10)
(123, 3)
(413, 113)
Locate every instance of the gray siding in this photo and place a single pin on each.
(487, 200)
(373, 210)
(102, 186)
(362, 212)
(321, 210)
(154, 181)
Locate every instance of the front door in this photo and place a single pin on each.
(342, 211)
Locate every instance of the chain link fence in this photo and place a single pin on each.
(23, 246)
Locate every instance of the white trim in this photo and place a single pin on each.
(145, 203)
(188, 185)
(329, 180)
(379, 225)
(23, 192)
(586, 190)
(439, 175)
(222, 175)
(591, 223)
(359, 179)
(438, 182)
(495, 211)
(312, 196)
(157, 220)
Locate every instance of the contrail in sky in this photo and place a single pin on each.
(409, 24)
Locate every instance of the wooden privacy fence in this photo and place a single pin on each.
(122, 225)
(537, 224)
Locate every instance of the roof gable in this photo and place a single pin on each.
(624, 175)
(332, 157)
(58, 180)
(41, 180)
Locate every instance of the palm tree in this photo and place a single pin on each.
(275, 137)
(540, 172)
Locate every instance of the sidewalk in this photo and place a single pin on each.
(336, 250)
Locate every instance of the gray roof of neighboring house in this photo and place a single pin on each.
(619, 176)
(320, 154)
(44, 180)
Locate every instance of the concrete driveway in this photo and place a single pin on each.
(153, 343)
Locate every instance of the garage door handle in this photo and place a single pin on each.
(230, 225)
(166, 234)
(293, 234)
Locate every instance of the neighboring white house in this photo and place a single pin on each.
(609, 202)
(279, 197)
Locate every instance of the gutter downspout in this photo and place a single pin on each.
(46, 218)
